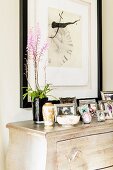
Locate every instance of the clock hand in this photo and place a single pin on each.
(58, 27)
(62, 25)
(55, 33)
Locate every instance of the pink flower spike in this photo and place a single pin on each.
(38, 34)
(43, 49)
(35, 51)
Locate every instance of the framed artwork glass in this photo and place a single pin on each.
(65, 109)
(68, 100)
(100, 115)
(91, 104)
(107, 107)
(74, 57)
(107, 95)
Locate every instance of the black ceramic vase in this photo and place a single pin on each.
(37, 105)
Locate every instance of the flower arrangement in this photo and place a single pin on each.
(35, 53)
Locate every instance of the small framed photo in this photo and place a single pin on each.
(64, 109)
(64, 100)
(100, 115)
(85, 113)
(86, 101)
(101, 104)
(107, 95)
(91, 103)
(107, 107)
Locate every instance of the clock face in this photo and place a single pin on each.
(62, 45)
(64, 39)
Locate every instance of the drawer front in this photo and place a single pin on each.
(86, 153)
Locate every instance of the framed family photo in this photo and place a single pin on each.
(91, 104)
(74, 32)
(107, 95)
(107, 107)
(100, 115)
(64, 109)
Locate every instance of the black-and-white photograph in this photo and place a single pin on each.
(65, 109)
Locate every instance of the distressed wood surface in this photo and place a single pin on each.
(81, 128)
(90, 152)
(81, 147)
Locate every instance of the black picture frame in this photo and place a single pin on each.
(23, 43)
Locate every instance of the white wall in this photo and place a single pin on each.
(9, 70)
(107, 44)
(9, 64)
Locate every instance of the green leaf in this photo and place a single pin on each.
(41, 93)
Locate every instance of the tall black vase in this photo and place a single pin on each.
(37, 105)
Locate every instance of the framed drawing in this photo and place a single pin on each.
(74, 31)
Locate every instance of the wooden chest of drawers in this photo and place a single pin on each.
(81, 147)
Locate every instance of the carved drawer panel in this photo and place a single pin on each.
(86, 153)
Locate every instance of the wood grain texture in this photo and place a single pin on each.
(81, 147)
(26, 151)
(94, 152)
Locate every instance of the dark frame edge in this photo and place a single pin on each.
(99, 46)
(23, 42)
